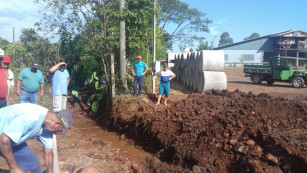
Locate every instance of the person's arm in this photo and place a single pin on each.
(42, 90)
(68, 81)
(145, 71)
(133, 71)
(172, 77)
(48, 156)
(7, 152)
(55, 67)
(12, 95)
(19, 83)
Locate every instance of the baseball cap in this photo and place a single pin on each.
(1, 53)
(139, 56)
(66, 119)
(34, 64)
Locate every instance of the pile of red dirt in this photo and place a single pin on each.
(218, 131)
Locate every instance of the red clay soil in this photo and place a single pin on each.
(219, 131)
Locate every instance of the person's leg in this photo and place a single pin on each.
(135, 81)
(57, 103)
(161, 89)
(23, 98)
(33, 97)
(26, 159)
(3, 102)
(141, 80)
(167, 92)
(64, 100)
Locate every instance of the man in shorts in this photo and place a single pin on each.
(165, 76)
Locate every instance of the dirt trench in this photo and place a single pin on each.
(217, 131)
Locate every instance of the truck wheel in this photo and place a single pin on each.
(270, 81)
(298, 82)
(257, 79)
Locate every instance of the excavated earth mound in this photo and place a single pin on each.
(218, 131)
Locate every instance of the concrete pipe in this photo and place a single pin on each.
(214, 80)
(212, 60)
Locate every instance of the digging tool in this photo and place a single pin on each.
(56, 167)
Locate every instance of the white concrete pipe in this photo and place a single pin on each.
(212, 60)
(214, 80)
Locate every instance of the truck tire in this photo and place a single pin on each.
(256, 78)
(298, 82)
(270, 81)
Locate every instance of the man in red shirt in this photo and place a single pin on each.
(3, 82)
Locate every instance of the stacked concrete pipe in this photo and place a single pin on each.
(201, 70)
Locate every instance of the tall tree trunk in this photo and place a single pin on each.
(123, 61)
(112, 74)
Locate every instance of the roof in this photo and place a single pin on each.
(289, 33)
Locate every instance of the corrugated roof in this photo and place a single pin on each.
(279, 34)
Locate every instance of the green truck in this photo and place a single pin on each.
(281, 69)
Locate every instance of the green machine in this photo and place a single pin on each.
(281, 69)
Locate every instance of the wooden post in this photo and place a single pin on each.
(154, 45)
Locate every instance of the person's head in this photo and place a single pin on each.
(58, 122)
(63, 66)
(6, 62)
(34, 66)
(164, 66)
(139, 58)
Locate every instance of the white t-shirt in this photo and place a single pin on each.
(10, 81)
(165, 75)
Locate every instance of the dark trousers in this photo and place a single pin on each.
(3, 102)
(138, 80)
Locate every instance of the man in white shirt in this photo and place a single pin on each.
(165, 76)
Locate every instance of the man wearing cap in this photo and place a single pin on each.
(60, 82)
(138, 73)
(3, 82)
(20, 122)
(30, 79)
(10, 79)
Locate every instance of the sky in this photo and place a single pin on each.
(240, 18)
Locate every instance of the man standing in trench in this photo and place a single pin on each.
(60, 82)
(138, 73)
(165, 76)
(20, 122)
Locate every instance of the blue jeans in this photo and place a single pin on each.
(26, 96)
(138, 80)
(26, 159)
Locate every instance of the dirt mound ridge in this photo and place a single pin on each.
(221, 131)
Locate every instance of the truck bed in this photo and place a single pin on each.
(262, 69)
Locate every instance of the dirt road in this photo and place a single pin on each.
(216, 131)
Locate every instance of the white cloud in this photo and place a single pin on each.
(214, 31)
(18, 14)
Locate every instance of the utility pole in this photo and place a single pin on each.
(13, 43)
(154, 45)
(122, 53)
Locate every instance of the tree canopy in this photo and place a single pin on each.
(225, 39)
(253, 35)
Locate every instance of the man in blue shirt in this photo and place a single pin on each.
(20, 122)
(60, 82)
(30, 79)
(138, 73)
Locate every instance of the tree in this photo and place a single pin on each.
(186, 21)
(123, 61)
(203, 46)
(253, 35)
(225, 39)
